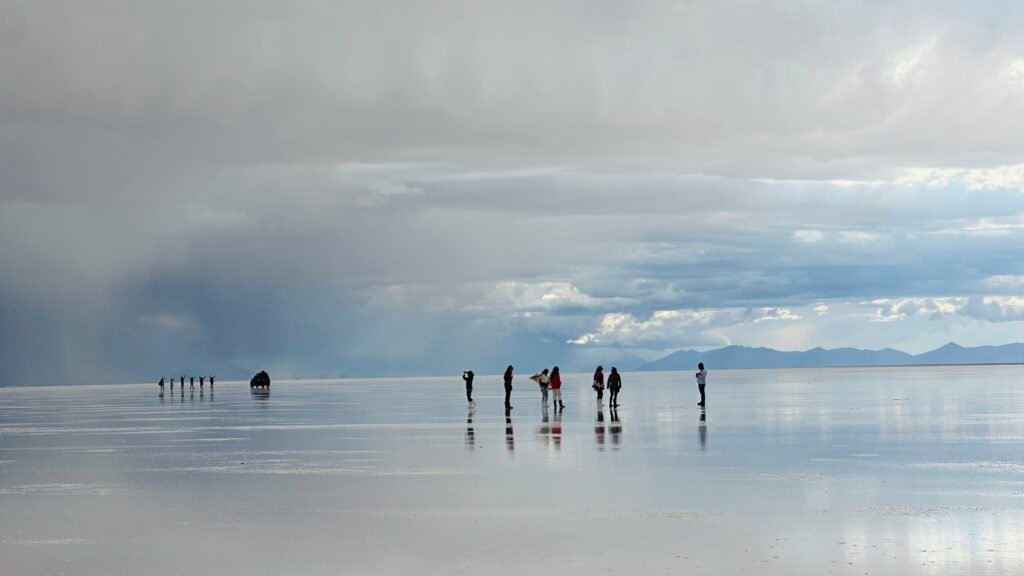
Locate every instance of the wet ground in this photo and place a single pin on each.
(835, 471)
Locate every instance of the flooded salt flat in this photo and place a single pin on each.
(817, 471)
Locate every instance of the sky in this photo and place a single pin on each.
(388, 187)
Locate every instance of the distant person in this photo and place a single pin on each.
(161, 383)
(556, 389)
(468, 377)
(702, 377)
(191, 381)
(183, 381)
(202, 380)
(211, 381)
(614, 385)
(172, 383)
(508, 387)
(544, 381)
(599, 383)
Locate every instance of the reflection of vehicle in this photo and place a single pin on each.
(260, 380)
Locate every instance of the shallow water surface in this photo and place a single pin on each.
(817, 471)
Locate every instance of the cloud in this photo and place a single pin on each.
(675, 327)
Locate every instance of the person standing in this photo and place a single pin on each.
(544, 381)
(467, 376)
(702, 378)
(161, 383)
(556, 389)
(599, 383)
(508, 387)
(614, 385)
(211, 381)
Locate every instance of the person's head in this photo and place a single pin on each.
(599, 368)
(469, 372)
(554, 370)
(614, 371)
(700, 365)
(544, 371)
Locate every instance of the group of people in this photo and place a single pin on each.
(191, 383)
(552, 380)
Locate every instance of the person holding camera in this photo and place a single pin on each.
(508, 387)
(468, 377)
(702, 377)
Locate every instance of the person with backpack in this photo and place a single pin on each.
(598, 384)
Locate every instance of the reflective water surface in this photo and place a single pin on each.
(831, 471)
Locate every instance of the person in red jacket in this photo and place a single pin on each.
(556, 389)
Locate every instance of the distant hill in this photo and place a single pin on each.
(744, 357)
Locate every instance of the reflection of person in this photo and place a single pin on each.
(556, 389)
(470, 434)
(510, 440)
(614, 385)
(556, 429)
(599, 430)
(616, 428)
(508, 387)
(702, 430)
(702, 377)
(468, 377)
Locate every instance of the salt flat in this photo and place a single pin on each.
(816, 471)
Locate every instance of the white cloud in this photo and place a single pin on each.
(821, 309)
(808, 236)
(986, 308)
(676, 327)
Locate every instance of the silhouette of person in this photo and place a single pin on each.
(599, 383)
(508, 387)
(599, 430)
(702, 431)
(556, 389)
(470, 434)
(182, 381)
(467, 376)
(211, 382)
(172, 384)
(702, 376)
(615, 428)
(614, 385)
(191, 381)
(510, 440)
(202, 379)
(161, 384)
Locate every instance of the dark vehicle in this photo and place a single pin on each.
(260, 380)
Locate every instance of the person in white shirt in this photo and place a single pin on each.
(702, 377)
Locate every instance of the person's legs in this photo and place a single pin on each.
(544, 396)
(469, 394)
(508, 395)
(701, 388)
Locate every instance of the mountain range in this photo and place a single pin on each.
(745, 357)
